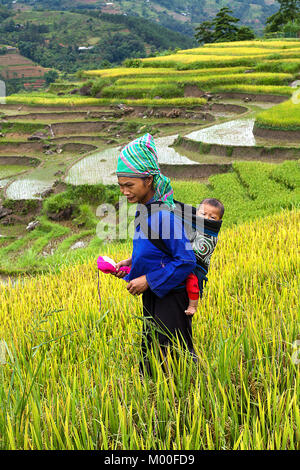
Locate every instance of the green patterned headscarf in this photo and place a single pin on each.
(139, 159)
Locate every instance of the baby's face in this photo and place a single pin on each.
(209, 212)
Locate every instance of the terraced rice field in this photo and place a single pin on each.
(69, 372)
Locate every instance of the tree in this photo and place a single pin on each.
(291, 28)
(50, 76)
(9, 26)
(225, 28)
(26, 49)
(289, 11)
(204, 32)
(245, 34)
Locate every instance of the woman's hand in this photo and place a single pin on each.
(138, 286)
(125, 262)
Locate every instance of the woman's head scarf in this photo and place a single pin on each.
(139, 159)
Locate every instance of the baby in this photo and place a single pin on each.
(210, 209)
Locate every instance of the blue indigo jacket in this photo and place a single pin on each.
(163, 273)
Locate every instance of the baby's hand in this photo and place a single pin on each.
(191, 310)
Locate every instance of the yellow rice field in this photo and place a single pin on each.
(238, 51)
(69, 373)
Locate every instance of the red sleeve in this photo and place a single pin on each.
(192, 286)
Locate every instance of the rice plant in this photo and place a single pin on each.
(69, 372)
(284, 116)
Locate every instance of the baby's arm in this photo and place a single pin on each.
(192, 287)
(192, 308)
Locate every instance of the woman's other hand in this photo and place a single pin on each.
(138, 286)
(125, 262)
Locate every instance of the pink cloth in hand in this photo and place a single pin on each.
(108, 266)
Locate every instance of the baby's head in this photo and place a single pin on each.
(211, 208)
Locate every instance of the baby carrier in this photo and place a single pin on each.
(202, 233)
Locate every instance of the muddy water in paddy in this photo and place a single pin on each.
(3, 183)
(101, 166)
(27, 188)
(236, 132)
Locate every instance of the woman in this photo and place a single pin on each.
(158, 276)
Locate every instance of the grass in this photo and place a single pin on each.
(244, 53)
(287, 173)
(123, 72)
(69, 378)
(172, 86)
(259, 89)
(190, 61)
(210, 80)
(268, 44)
(9, 170)
(22, 127)
(143, 91)
(253, 190)
(212, 67)
(284, 116)
(49, 101)
(69, 372)
(236, 51)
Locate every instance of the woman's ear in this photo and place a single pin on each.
(149, 181)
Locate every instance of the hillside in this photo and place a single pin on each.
(179, 15)
(17, 71)
(225, 123)
(69, 41)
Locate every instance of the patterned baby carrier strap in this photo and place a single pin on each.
(202, 233)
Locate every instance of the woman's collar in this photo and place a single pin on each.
(150, 200)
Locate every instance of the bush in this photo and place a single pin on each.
(22, 207)
(86, 217)
(135, 63)
(98, 85)
(283, 67)
(57, 202)
(94, 194)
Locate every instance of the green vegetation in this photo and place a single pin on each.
(253, 190)
(143, 91)
(222, 28)
(77, 368)
(176, 15)
(168, 87)
(261, 66)
(288, 12)
(8, 170)
(259, 89)
(21, 127)
(284, 116)
(75, 195)
(53, 40)
(288, 174)
(69, 366)
(47, 99)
